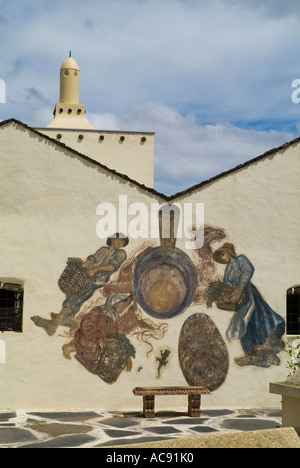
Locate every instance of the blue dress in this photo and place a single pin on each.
(255, 322)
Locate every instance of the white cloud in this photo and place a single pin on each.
(212, 78)
(221, 54)
(187, 153)
(106, 121)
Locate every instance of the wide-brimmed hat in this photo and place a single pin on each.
(227, 247)
(117, 235)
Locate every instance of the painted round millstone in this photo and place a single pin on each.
(165, 282)
(163, 296)
(203, 354)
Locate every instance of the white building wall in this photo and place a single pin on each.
(48, 200)
(257, 208)
(129, 153)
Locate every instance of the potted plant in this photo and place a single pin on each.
(293, 349)
(290, 389)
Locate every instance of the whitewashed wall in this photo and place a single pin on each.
(48, 203)
(128, 153)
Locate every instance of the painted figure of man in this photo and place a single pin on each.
(88, 276)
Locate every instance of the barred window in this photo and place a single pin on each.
(293, 311)
(11, 307)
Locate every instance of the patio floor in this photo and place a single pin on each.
(97, 428)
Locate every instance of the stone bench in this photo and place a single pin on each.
(194, 397)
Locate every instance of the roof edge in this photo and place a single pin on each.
(149, 189)
(83, 156)
(236, 168)
(91, 130)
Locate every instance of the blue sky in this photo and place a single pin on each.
(212, 78)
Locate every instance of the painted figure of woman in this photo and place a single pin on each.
(255, 324)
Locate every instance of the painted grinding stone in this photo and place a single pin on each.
(165, 281)
(203, 354)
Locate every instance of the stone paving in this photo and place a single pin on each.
(97, 428)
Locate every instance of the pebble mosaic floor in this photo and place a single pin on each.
(67, 429)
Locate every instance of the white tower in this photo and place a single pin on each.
(130, 153)
(68, 113)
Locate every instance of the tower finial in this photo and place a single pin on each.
(70, 53)
(68, 112)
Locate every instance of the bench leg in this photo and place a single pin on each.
(148, 406)
(194, 405)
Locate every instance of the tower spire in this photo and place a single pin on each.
(68, 113)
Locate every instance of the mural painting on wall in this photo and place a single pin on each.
(164, 282)
(165, 278)
(202, 352)
(254, 323)
(98, 334)
(162, 360)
